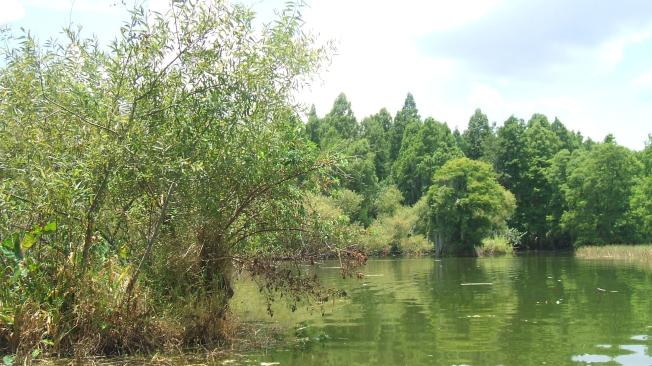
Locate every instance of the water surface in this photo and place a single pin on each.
(533, 310)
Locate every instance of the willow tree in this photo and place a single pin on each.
(147, 169)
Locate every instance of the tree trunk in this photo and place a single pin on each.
(217, 268)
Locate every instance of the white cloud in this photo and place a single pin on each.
(11, 11)
(484, 96)
(643, 81)
(379, 58)
(612, 52)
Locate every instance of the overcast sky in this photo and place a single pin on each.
(587, 62)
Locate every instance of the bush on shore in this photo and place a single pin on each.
(495, 246)
(136, 179)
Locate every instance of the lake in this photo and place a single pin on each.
(530, 310)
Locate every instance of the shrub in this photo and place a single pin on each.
(495, 245)
(397, 234)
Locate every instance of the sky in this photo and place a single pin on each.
(586, 62)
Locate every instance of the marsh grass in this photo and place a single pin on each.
(639, 254)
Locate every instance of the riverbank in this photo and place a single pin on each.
(245, 338)
(639, 254)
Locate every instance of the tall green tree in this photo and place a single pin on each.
(641, 209)
(313, 126)
(598, 194)
(340, 123)
(534, 191)
(459, 140)
(556, 177)
(569, 140)
(407, 115)
(425, 148)
(358, 174)
(477, 135)
(646, 156)
(388, 201)
(466, 204)
(523, 155)
(376, 130)
(510, 153)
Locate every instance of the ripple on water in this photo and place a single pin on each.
(635, 354)
(538, 310)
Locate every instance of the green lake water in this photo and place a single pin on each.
(532, 310)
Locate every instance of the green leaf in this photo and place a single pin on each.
(9, 253)
(8, 360)
(49, 228)
(8, 243)
(123, 253)
(28, 241)
(7, 318)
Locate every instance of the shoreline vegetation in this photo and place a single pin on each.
(138, 178)
(638, 254)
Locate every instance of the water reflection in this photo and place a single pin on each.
(505, 311)
(635, 354)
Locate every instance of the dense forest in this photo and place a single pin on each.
(135, 180)
(566, 190)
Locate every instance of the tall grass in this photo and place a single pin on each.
(640, 254)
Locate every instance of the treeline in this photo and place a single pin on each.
(568, 190)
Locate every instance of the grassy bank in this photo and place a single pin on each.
(640, 254)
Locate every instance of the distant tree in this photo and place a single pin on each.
(348, 201)
(466, 204)
(523, 154)
(641, 200)
(490, 146)
(598, 194)
(340, 123)
(459, 140)
(588, 144)
(569, 140)
(359, 175)
(376, 130)
(313, 126)
(407, 115)
(641, 209)
(425, 148)
(646, 157)
(556, 176)
(477, 135)
(540, 119)
(510, 155)
(388, 201)
(609, 139)
(534, 192)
